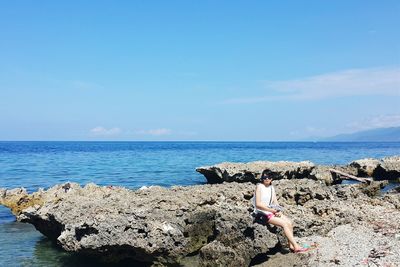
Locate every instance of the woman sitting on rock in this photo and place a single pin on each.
(267, 207)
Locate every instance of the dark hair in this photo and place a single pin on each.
(265, 175)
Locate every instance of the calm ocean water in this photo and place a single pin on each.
(134, 164)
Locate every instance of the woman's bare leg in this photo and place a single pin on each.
(287, 229)
(290, 222)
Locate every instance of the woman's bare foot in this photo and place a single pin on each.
(300, 250)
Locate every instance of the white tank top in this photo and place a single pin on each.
(266, 197)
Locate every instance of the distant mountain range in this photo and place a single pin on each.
(391, 134)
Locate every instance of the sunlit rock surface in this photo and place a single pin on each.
(211, 223)
(379, 169)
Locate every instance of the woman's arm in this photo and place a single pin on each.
(259, 204)
(274, 199)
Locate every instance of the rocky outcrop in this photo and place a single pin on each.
(381, 169)
(18, 199)
(251, 172)
(160, 226)
(323, 173)
(154, 225)
(365, 167)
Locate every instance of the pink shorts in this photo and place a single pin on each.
(269, 216)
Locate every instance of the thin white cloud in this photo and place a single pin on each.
(155, 132)
(161, 131)
(380, 121)
(353, 82)
(367, 123)
(101, 131)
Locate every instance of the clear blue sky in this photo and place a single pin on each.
(197, 70)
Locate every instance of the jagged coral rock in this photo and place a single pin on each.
(150, 225)
(250, 172)
(18, 199)
(166, 226)
(381, 169)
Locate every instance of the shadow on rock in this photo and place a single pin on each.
(48, 254)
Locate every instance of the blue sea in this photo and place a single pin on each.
(36, 165)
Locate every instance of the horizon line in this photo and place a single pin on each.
(202, 141)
